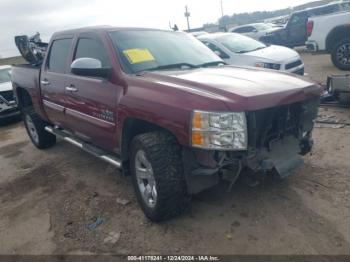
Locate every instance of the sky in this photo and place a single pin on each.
(19, 17)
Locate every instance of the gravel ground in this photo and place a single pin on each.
(49, 198)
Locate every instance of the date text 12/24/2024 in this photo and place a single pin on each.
(173, 258)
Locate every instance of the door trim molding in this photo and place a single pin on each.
(74, 113)
(53, 106)
(89, 118)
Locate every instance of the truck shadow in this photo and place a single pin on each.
(7, 122)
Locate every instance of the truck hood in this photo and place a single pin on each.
(241, 89)
(274, 54)
(7, 86)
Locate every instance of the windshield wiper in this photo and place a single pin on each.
(172, 66)
(215, 63)
(247, 51)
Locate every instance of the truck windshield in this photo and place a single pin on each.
(239, 43)
(141, 50)
(5, 75)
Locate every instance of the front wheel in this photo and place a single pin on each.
(341, 54)
(158, 176)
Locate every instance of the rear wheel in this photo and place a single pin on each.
(35, 127)
(157, 175)
(341, 54)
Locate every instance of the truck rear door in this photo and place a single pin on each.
(53, 80)
(90, 102)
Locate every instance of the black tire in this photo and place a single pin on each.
(336, 48)
(164, 155)
(43, 139)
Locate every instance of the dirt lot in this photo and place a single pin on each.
(48, 199)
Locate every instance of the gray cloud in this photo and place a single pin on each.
(47, 16)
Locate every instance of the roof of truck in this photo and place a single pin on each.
(100, 28)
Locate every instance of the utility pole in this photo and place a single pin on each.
(222, 9)
(187, 15)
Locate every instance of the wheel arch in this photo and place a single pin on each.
(134, 126)
(337, 34)
(23, 98)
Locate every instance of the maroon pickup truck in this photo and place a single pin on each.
(165, 109)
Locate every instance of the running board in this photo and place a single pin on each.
(101, 154)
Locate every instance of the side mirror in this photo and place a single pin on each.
(254, 30)
(89, 67)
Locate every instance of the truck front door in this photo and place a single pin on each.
(90, 101)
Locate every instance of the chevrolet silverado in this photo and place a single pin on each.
(164, 109)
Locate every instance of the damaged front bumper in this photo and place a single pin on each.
(8, 108)
(277, 139)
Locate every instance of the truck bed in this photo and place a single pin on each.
(26, 78)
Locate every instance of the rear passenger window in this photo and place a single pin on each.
(58, 55)
(91, 48)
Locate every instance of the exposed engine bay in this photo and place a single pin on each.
(277, 138)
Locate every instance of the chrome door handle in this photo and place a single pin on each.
(45, 82)
(71, 89)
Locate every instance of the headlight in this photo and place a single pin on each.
(221, 131)
(268, 65)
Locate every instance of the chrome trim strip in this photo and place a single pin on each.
(88, 116)
(53, 106)
(73, 142)
(112, 161)
(61, 108)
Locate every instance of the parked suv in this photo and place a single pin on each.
(157, 105)
(8, 106)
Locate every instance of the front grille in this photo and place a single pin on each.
(7, 95)
(274, 123)
(294, 64)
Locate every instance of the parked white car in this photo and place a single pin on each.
(236, 49)
(331, 34)
(8, 106)
(256, 30)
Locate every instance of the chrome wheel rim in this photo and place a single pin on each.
(32, 130)
(343, 54)
(145, 179)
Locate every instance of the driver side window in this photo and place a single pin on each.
(92, 48)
